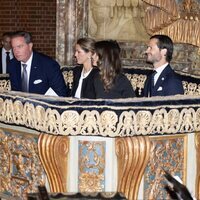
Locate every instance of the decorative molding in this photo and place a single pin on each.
(122, 118)
(55, 166)
(133, 155)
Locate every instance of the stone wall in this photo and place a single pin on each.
(37, 17)
(76, 19)
(185, 57)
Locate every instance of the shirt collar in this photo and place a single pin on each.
(161, 68)
(4, 50)
(28, 61)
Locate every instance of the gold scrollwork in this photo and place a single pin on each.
(91, 166)
(133, 155)
(68, 77)
(21, 170)
(55, 166)
(191, 88)
(137, 81)
(168, 153)
(4, 85)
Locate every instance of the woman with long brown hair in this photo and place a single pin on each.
(110, 83)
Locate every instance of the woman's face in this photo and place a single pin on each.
(82, 57)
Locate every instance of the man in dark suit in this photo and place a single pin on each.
(6, 53)
(34, 72)
(163, 81)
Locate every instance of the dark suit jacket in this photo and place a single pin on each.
(1, 70)
(87, 90)
(122, 88)
(168, 83)
(45, 73)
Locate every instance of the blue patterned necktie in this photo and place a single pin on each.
(24, 79)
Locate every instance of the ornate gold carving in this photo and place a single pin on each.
(91, 166)
(20, 168)
(179, 20)
(191, 88)
(54, 160)
(108, 121)
(133, 155)
(137, 81)
(70, 120)
(197, 142)
(190, 9)
(39, 118)
(167, 153)
(68, 76)
(89, 122)
(4, 85)
(52, 119)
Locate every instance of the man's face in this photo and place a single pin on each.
(6, 43)
(154, 54)
(22, 51)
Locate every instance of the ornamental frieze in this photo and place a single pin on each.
(130, 117)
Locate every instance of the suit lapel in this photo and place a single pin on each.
(17, 78)
(162, 77)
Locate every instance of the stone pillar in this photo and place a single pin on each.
(72, 17)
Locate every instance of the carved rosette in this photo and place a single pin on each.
(54, 160)
(133, 155)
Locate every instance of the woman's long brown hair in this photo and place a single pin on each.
(109, 62)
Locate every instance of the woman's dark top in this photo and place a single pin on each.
(122, 88)
(87, 90)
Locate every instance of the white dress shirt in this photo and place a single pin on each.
(159, 71)
(83, 75)
(4, 59)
